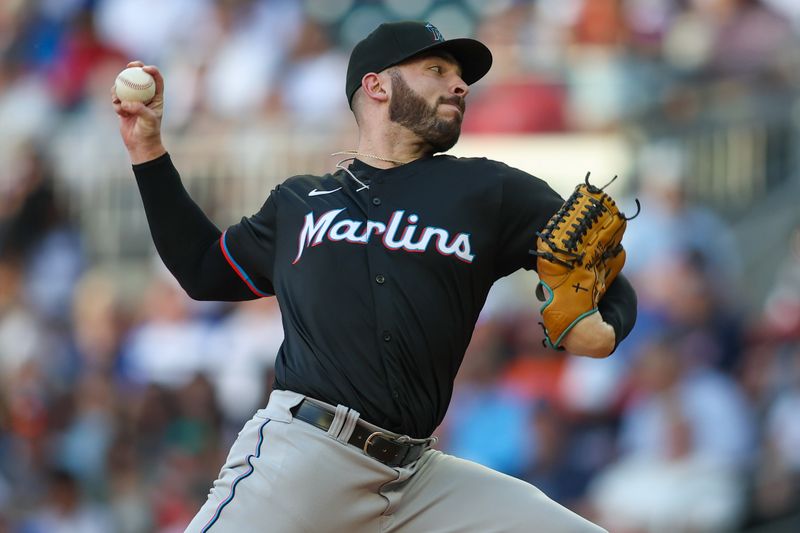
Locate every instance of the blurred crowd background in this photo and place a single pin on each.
(119, 396)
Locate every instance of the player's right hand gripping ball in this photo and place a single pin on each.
(135, 85)
(579, 254)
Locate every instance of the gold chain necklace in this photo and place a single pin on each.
(379, 158)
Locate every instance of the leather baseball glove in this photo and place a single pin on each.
(579, 254)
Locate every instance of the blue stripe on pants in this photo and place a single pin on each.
(250, 470)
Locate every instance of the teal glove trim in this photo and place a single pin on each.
(548, 342)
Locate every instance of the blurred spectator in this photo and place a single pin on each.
(777, 478)
(27, 202)
(695, 246)
(28, 404)
(782, 306)
(789, 8)
(149, 29)
(128, 493)
(752, 38)
(5, 498)
(81, 53)
(683, 227)
(186, 454)
(695, 307)
(781, 451)
(35, 229)
(241, 352)
(167, 346)
(517, 106)
(27, 109)
(252, 42)
(596, 75)
(314, 70)
(31, 36)
(66, 510)
(21, 335)
(172, 502)
(82, 446)
(517, 101)
(686, 435)
(599, 23)
(481, 406)
(149, 417)
(674, 389)
(196, 429)
(554, 467)
(97, 324)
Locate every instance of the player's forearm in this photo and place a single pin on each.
(591, 337)
(618, 308)
(184, 237)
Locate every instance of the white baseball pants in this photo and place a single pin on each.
(286, 476)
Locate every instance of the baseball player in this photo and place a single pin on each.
(380, 269)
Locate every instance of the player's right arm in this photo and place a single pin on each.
(187, 241)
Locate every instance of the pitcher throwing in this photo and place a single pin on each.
(380, 269)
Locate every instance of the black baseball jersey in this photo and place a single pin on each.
(381, 279)
(380, 276)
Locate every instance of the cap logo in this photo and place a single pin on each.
(437, 35)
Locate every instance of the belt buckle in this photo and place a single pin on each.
(375, 435)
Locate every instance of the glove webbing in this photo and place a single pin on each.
(580, 227)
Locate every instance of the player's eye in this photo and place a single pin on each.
(436, 68)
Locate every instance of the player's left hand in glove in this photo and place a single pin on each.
(579, 254)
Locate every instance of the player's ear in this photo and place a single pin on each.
(375, 87)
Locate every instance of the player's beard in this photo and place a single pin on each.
(410, 110)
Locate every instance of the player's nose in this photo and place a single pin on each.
(459, 88)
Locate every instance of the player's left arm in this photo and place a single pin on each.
(579, 258)
(599, 334)
(527, 205)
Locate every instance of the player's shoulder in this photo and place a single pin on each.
(512, 183)
(306, 180)
(485, 167)
(302, 184)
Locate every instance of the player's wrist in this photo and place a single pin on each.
(143, 154)
(591, 337)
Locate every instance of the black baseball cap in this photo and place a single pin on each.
(394, 42)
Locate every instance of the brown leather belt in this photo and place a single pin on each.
(384, 447)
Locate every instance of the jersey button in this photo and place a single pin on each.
(380, 279)
(387, 336)
(376, 201)
(395, 394)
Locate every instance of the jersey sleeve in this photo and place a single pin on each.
(527, 203)
(249, 247)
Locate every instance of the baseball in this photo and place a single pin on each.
(135, 85)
